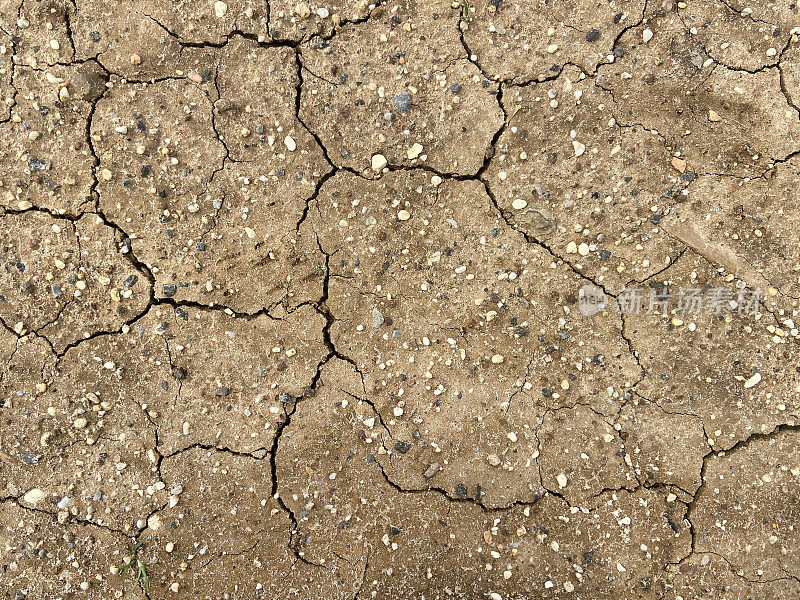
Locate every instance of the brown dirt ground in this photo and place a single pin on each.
(290, 299)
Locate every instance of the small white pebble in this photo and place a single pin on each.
(753, 380)
(519, 204)
(415, 150)
(378, 162)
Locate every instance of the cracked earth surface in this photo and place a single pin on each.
(290, 299)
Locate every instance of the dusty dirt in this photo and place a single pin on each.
(293, 300)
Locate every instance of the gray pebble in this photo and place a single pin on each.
(402, 102)
(28, 458)
(36, 164)
(402, 446)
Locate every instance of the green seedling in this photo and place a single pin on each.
(465, 10)
(138, 566)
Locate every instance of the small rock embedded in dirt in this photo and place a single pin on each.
(403, 447)
(28, 458)
(378, 162)
(432, 470)
(33, 496)
(37, 164)
(402, 102)
(753, 380)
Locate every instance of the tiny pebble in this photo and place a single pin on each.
(415, 150)
(302, 10)
(432, 470)
(402, 102)
(378, 162)
(220, 8)
(33, 496)
(754, 380)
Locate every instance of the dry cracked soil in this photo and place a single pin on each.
(412, 299)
